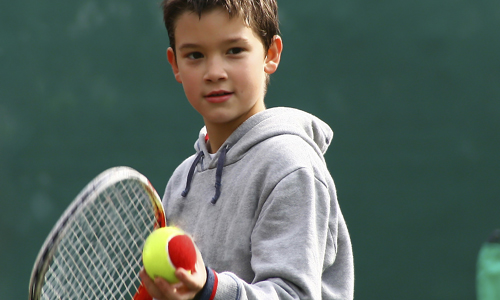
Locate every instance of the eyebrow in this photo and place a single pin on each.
(188, 46)
(225, 42)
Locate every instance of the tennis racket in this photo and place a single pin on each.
(94, 250)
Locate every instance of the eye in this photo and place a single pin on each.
(195, 55)
(235, 50)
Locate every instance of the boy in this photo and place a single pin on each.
(271, 228)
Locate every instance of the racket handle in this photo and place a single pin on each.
(142, 293)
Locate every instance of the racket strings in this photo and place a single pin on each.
(100, 254)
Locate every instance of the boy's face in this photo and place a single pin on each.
(222, 65)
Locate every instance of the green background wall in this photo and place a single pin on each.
(411, 89)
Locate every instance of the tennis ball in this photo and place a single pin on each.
(167, 249)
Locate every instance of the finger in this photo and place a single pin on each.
(150, 285)
(176, 291)
(188, 279)
(200, 264)
(165, 287)
(197, 279)
(182, 293)
(193, 281)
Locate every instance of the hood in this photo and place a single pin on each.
(262, 126)
(267, 124)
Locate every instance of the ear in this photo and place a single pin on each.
(173, 62)
(273, 55)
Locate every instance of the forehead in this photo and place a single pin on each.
(213, 25)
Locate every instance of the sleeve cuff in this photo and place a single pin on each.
(208, 291)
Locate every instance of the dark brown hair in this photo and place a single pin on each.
(260, 15)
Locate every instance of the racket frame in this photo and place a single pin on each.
(86, 196)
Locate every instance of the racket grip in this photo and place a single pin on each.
(142, 293)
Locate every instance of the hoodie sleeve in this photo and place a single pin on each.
(295, 229)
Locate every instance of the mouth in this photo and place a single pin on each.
(218, 96)
(218, 93)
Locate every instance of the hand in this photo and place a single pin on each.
(188, 286)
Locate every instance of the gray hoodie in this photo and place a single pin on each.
(264, 213)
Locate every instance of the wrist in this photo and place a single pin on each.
(209, 289)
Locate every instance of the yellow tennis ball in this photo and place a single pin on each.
(167, 249)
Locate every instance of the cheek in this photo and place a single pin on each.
(191, 93)
(191, 90)
(253, 72)
(189, 81)
(256, 76)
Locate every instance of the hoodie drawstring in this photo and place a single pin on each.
(191, 173)
(218, 173)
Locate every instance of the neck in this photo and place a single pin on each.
(218, 133)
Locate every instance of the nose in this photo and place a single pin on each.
(215, 70)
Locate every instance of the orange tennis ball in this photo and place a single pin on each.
(167, 249)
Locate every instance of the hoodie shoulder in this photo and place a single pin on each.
(303, 124)
(274, 122)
